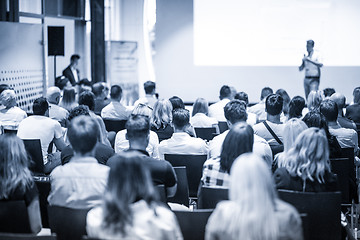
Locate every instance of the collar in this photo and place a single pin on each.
(144, 152)
(76, 159)
(180, 135)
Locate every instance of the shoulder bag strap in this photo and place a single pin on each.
(272, 133)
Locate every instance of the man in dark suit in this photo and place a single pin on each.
(71, 72)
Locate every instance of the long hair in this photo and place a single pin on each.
(309, 158)
(286, 99)
(200, 106)
(162, 113)
(239, 140)
(68, 100)
(292, 130)
(314, 99)
(129, 181)
(253, 190)
(14, 172)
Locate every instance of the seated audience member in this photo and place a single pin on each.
(99, 90)
(286, 99)
(296, 107)
(251, 117)
(216, 110)
(11, 115)
(343, 121)
(122, 143)
(307, 168)
(102, 151)
(272, 129)
(56, 112)
(259, 108)
(176, 102)
(235, 112)
(138, 134)
(81, 182)
(68, 100)
(199, 117)
(181, 142)
(150, 98)
(84, 85)
(239, 140)
(161, 119)
(353, 111)
(254, 211)
(40, 126)
(314, 100)
(3, 87)
(130, 208)
(115, 110)
(328, 92)
(16, 180)
(345, 136)
(62, 82)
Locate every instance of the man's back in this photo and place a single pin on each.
(115, 110)
(346, 137)
(57, 113)
(346, 123)
(353, 112)
(216, 110)
(262, 131)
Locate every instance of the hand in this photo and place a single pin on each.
(305, 58)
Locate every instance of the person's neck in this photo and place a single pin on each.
(332, 123)
(115, 100)
(177, 130)
(135, 145)
(273, 118)
(84, 155)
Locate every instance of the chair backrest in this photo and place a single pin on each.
(67, 223)
(305, 225)
(43, 186)
(210, 196)
(162, 192)
(340, 166)
(33, 148)
(205, 133)
(114, 125)
(223, 126)
(182, 190)
(193, 164)
(322, 209)
(14, 217)
(193, 223)
(12, 236)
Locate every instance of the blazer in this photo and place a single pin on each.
(69, 74)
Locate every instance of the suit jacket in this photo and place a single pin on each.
(69, 74)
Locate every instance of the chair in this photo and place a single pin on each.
(210, 196)
(223, 126)
(305, 225)
(192, 224)
(340, 167)
(205, 133)
(322, 209)
(67, 223)
(114, 125)
(11, 236)
(33, 148)
(14, 217)
(193, 164)
(162, 192)
(43, 186)
(182, 192)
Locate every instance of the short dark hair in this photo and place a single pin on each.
(80, 110)
(225, 92)
(74, 57)
(329, 109)
(316, 119)
(137, 126)
(356, 94)
(235, 111)
(328, 92)
(266, 91)
(4, 87)
(181, 117)
(242, 96)
(87, 98)
(61, 82)
(310, 41)
(115, 92)
(85, 82)
(274, 104)
(149, 87)
(97, 89)
(83, 134)
(296, 107)
(177, 102)
(40, 106)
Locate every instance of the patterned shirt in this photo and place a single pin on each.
(213, 175)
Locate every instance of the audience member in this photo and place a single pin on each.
(200, 118)
(161, 119)
(84, 85)
(16, 181)
(285, 110)
(102, 152)
(56, 112)
(254, 211)
(3, 87)
(130, 208)
(235, 112)
(328, 92)
(353, 111)
(11, 115)
(99, 90)
(296, 107)
(343, 121)
(150, 98)
(68, 100)
(239, 140)
(62, 82)
(314, 100)
(81, 182)
(176, 102)
(181, 142)
(216, 110)
(259, 108)
(40, 126)
(251, 117)
(115, 110)
(71, 72)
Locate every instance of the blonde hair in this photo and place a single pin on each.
(162, 113)
(8, 98)
(314, 99)
(142, 109)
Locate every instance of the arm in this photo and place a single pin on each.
(59, 143)
(318, 64)
(34, 215)
(302, 66)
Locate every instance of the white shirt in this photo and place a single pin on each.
(259, 110)
(149, 100)
(311, 70)
(216, 110)
(251, 118)
(10, 118)
(75, 74)
(115, 110)
(182, 143)
(200, 120)
(262, 131)
(346, 137)
(57, 113)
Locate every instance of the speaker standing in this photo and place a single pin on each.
(71, 72)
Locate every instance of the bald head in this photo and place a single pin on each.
(339, 99)
(53, 95)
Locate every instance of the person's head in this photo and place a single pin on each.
(8, 98)
(87, 98)
(181, 119)
(316, 119)
(200, 106)
(176, 102)
(266, 91)
(286, 99)
(84, 85)
(274, 104)
(41, 107)
(69, 95)
(116, 93)
(253, 190)
(339, 99)
(53, 95)
(3, 87)
(309, 158)
(137, 131)
(149, 87)
(235, 111)
(62, 82)
(314, 99)
(98, 89)
(292, 129)
(74, 60)
(242, 96)
(296, 107)
(310, 45)
(129, 181)
(356, 95)
(83, 134)
(225, 92)
(162, 113)
(329, 109)
(239, 140)
(143, 110)
(80, 110)
(13, 165)
(328, 92)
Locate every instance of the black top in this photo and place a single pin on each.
(163, 132)
(353, 112)
(69, 75)
(99, 105)
(29, 195)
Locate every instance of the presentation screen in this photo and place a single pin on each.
(274, 33)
